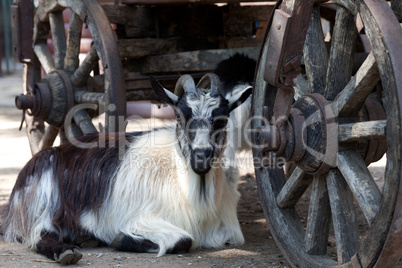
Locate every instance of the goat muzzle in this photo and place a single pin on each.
(201, 161)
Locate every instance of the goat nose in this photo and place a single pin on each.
(203, 154)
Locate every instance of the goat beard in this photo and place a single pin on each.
(203, 190)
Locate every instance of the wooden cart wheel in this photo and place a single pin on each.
(67, 81)
(336, 126)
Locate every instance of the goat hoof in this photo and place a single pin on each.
(69, 257)
(117, 241)
(86, 242)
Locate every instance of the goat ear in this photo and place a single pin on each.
(163, 94)
(237, 99)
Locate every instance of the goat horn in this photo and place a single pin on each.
(184, 84)
(210, 80)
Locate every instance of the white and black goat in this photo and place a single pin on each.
(167, 194)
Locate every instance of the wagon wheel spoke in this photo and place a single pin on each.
(294, 188)
(302, 87)
(44, 56)
(360, 181)
(351, 99)
(80, 75)
(315, 54)
(59, 38)
(316, 237)
(71, 60)
(342, 46)
(362, 130)
(48, 138)
(343, 216)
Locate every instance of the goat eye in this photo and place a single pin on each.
(178, 118)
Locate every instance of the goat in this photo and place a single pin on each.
(180, 203)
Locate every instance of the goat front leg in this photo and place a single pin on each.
(124, 242)
(153, 235)
(52, 247)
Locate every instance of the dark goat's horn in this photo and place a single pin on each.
(212, 81)
(184, 84)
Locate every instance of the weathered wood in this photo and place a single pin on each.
(360, 181)
(396, 6)
(170, 2)
(142, 94)
(239, 41)
(294, 188)
(184, 20)
(301, 87)
(71, 61)
(241, 20)
(361, 130)
(351, 99)
(133, 83)
(319, 213)
(343, 216)
(84, 122)
(89, 97)
(340, 59)
(44, 56)
(136, 48)
(48, 138)
(132, 21)
(349, 4)
(315, 54)
(59, 38)
(80, 76)
(141, 47)
(204, 60)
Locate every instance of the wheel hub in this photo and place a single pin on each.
(50, 100)
(309, 136)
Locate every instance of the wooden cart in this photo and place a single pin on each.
(328, 100)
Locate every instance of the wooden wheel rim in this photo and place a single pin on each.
(286, 220)
(48, 15)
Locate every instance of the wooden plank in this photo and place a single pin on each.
(170, 2)
(132, 21)
(340, 59)
(294, 188)
(240, 20)
(351, 99)
(315, 54)
(240, 41)
(343, 216)
(141, 47)
(200, 60)
(361, 130)
(319, 213)
(360, 181)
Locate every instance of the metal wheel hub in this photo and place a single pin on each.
(50, 100)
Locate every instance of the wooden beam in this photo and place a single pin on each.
(170, 2)
(200, 60)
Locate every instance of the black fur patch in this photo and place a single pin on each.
(127, 243)
(182, 246)
(238, 69)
